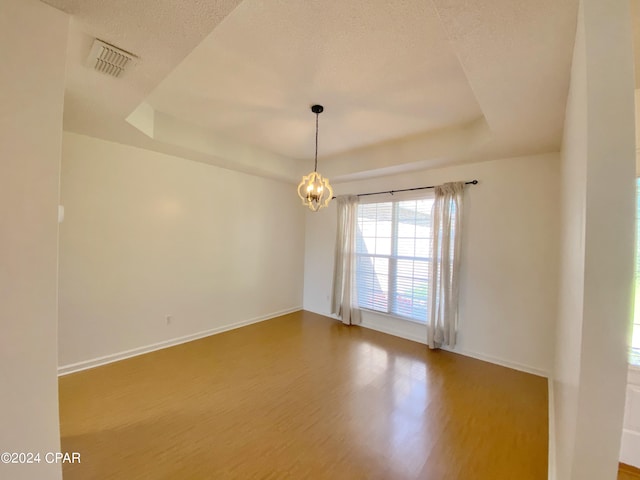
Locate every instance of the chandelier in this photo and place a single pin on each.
(314, 189)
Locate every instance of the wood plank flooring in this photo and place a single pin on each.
(627, 472)
(304, 397)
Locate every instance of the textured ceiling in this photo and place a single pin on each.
(517, 55)
(383, 70)
(406, 84)
(160, 32)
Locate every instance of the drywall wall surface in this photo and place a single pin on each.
(156, 248)
(508, 275)
(597, 246)
(31, 101)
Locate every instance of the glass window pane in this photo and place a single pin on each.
(423, 248)
(383, 246)
(367, 211)
(407, 210)
(372, 283)
(421, 270)
(424, 207)
(406, 247)
(381, 284)
(405, 268)
(368, 229)
(369, 245)
(384, 229)
(384, 211)
(406, 230)
(410, 221)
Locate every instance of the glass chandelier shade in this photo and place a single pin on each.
(314, 189)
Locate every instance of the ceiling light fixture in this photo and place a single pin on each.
(314, 189)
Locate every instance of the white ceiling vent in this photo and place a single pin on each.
(108, 59)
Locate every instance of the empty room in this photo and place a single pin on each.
(320, 239)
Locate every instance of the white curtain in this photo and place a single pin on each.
(443, 309)
(344, 302)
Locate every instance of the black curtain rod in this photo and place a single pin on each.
(472, 182)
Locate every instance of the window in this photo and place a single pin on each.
(635, 341)
(393, 257)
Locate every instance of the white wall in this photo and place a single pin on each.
(571, 297)
(31, 101)
(148, 235)
(509, 259)
(598, 167)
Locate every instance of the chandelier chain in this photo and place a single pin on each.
(315, 168)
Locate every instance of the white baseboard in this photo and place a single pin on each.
(323, 314)
(629, 453)
(416, 337)
(410, 333)
(500, 361)
(552, 432)
(96, 362)
(379, 327)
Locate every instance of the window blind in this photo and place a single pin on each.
(393, 263)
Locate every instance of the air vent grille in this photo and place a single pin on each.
(108, 59)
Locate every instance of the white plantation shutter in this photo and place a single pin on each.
(393, 247)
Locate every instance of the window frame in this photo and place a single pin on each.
(393, 257)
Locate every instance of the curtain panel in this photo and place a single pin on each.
(442, 323)
(344, 301)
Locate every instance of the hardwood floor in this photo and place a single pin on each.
(304, 397)
(627, 472)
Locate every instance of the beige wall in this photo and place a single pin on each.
(31, 97)
(598, 196)
(148, 235)
(509, 259)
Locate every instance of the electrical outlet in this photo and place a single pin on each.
(169, 319)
